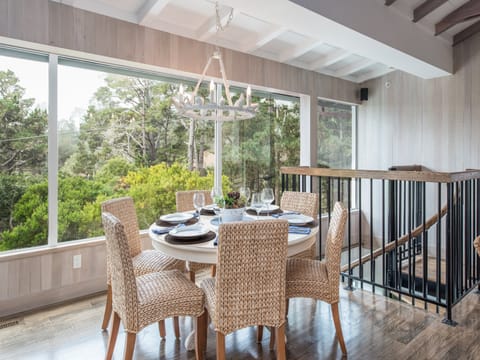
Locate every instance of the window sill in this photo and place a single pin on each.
(46, 249)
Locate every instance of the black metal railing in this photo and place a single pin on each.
(414, 230)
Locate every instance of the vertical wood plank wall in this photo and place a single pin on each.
(36, 280)
(435, 123)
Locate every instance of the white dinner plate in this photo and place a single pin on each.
(210, 207)
(191, 231)
(297, 219)
(264, 209)
(176, 218)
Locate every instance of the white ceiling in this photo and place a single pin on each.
(356, 40)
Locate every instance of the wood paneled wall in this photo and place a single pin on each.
(435, 123)
(46, 276)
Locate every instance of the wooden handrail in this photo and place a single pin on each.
(426, 176)
(400, 241)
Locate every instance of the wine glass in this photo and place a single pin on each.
(245, 192)
(198, 201)
(257, 203)
(218, 202)
(267, 198)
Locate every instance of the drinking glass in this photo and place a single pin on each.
(198, 201)
(267, 198)
(257, 203)
(218, 202)
(245, 191)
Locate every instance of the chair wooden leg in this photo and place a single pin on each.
(220, 346)
(201, 336)
(176, 327)
(259, 333)
(113, 336)
(213, 270)
(338, 328)
(161, 328)
(108, 308)
(191, 275)
(280, 336)
(272, 338)
(130, 346)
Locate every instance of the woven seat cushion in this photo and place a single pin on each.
(165, 294)
(148, 261)
(309, 279)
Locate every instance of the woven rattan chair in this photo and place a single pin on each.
(184, 202)
(142, 300)
(320, 280)
(144, 261)
(305, 203)
(249, 288)
(476, 244)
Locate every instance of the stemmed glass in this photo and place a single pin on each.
(245, 192)
(218, 202)
(257, 203)
(198, 201)
(267, 198)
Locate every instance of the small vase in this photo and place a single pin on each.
(229, 215)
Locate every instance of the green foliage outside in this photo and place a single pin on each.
(130, 143)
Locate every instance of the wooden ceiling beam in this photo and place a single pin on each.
(466, 33)
(426, 8)
(465, 12)
(389, 2)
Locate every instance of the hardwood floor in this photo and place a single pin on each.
(374, 328)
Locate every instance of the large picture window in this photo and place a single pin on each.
(336, 126)
(255, 149)
(23, 149)
(118, 134)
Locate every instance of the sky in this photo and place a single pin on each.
(75, 86)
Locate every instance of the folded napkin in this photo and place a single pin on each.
(160, 230)
(286, 213)
(299, 230)
(183, 227)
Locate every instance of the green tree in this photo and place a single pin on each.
(23, 141)
(131, 118)
(153, 189)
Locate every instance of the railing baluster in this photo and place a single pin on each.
(425, 281)
(438, 258)
(360, 240)
(372, 260)
(384, 272)
(349, 232)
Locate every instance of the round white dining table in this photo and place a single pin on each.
(206, 252)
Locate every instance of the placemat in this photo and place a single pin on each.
(207, 212)
(190, 240)
(168, 224)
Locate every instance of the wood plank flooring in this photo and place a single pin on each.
(374, 328)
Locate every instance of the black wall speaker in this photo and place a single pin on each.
(363, 94)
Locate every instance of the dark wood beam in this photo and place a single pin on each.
(389, 2)
(466, 33)
(465, 12)
(426, 8)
